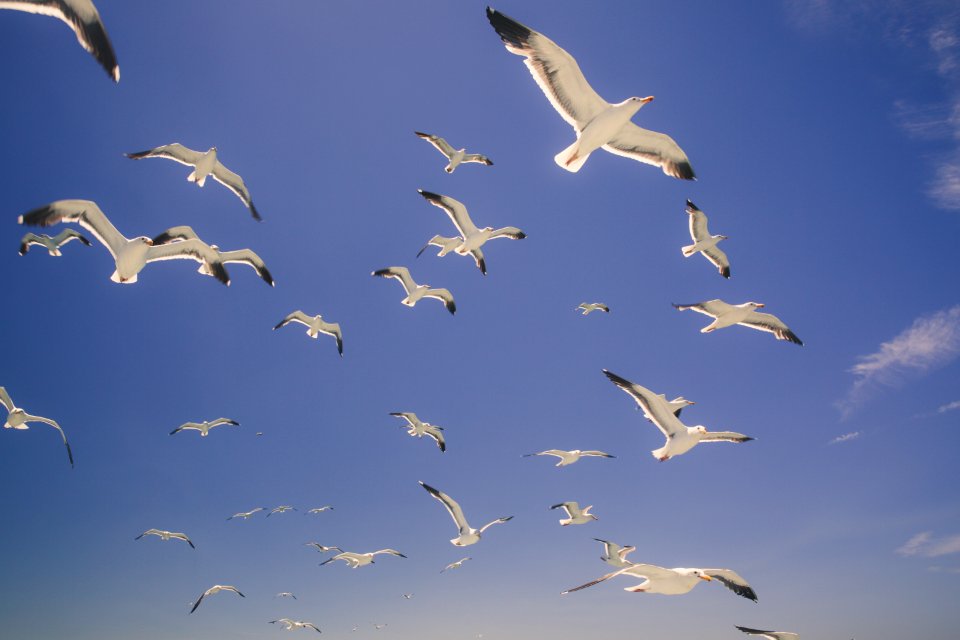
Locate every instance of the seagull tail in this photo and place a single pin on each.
(569, 158)
(688, 250)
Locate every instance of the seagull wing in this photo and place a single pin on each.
(732, 580)
(771, 324)
(637, 570)
(569, 507)
(392, 552)
(651, 147)
(86, 213)
(445, 296)
(453, 508)
(6, 401)
(400, 273)
(53, 423)
(653, 405)
(235, 183)
(437, 434)
(508, 232)
(439, 143)
(724, 436)
(772, 635)
(476, 157)
(295, 316)
(411, 418)
(719, 259)
(248, 257)
(712, 308)
(176, 152)
(597, 454)
(67, 235)
(183, 536)
(220, 421)
(193, 249)
(173, 234)
(698, 223)
(493, 522)
(148, 532)
(455, 209)
(197, 603)
(479, 260)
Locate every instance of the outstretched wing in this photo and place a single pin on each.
(295, 316)
(176, 152)
(235, 183)
(453, 508)
(438, 143)
(732, 580)
(455, 210)
(771, 324)
(651, 147)
(86, 213)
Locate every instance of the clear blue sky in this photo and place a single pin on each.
(825, 139)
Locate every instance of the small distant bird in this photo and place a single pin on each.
(319, 509)
(205, 426)
(455, 565)
(355, 628)
(455, 156)
(290, 625)
(205, 164)
(82, 17)
(675, 581)
(705, 243)
(614, 554)
(407, 596)
(417, 291)
(771, 635)
(467, 534)
(575, 515)
(281, 509)
(243, 515)
(589, 307)
(446, 244)
(17, 419)
(166, 535)
(569, 457)
(379, 626)
(415, 427)
(319, 547)
(51, 244)
(356, 560)
(215, 589)
(237, 256)
(315, 326)
(285, 594)
(725, 315)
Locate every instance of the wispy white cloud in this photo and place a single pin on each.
(925, 545)
(853, 435)
(951, 406)
(938, 569)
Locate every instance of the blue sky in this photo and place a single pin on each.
(825, 139)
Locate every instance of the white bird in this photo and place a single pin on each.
(705, 243)
(467, 534)
(455, 156)
(281, 509)
(770, 635)
(379, 626)
(319, 509)
(680, 438)
(315, 326)
(575, 515)
(82, 17)
(355, 560)
(214, 590)
(589, 307)
(290, 625)
(415, 427)
(17, 419)
(473, 238)
(131, 255)
(675, 581)
(725, 315)
(51, 244)
(407, 596)
(597, 123)
(237, 256)
(417, 291)
(446, 245)
(319, 547)
(244, 515)
(205, 426)
(285, 594)
(569, 457)
(455, 565)
(166, 535)
(614, 554)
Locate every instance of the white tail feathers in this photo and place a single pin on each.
(568, 158)
(193, 178)
(688, 250)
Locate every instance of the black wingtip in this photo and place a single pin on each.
(24, 247)
(452, 306)
(267, 277)
(220, 273)
(429, 195)
(255, 213)
(725, 272)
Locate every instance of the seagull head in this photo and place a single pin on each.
(642, 101)
(756, 305)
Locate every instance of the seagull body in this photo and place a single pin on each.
(166, 535)
(319, 509)
(315, 326)
(356, 560)
(589, 307)
(319, 547)
(285, 594)
(726, 315)
(675, 581)
(51, 244)
(455, 565)
(467, 534)
(243, 515)
(770, 635)
(575, 515)
(415, 427)
(215, 589)
(238, 256)
(205, 426)
(281, 509)
(415, 291)
(597, 123)
(290, 625)
(614, 554)
(82, 17)
(705, 243)
(205, 164)
(17, 419)
(680, 438)
(569, 457)
(455, 156)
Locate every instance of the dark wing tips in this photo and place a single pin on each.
(422, 134)
(84, 240)
(725, 272)
(340, 347)
(24, 247)
(44, 216)
(691, 206)
(164, 238)
(434, 492)
(790, 336)
(442, 445)
(510, 31)
(452, 306)
(136, 155)
(743, 590)
(190, 543)
(682, 171)
(482, 264)
(617, 380)
(429, 195)
(220, 273)
(266, 276)
(383, 273)
(255, 213)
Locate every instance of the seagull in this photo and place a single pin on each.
(614, 554)
(130, 254)
(215, 589)
(319, 509)
(238, 256)
(319, 547)
(680, 438)
(379, 626)
(205, 426)
(473, 238)
(51, 244)
(455, 565)
(166, 535)
(596, 122)
(407, 596)
(285, 594)
(315, 326)
(281, 509)
(589, 307)
(455, 156)
(446, 245)
(675, 581)
(355, 560)
(204, 164)
(705, 243)
(417, 291)
(419, 429)
(467, 534)
(243, 515)
(725, 315)
(290, 625)
(17, 418)
(771, 635)
(575, 515)
(82, 17)
(569, 457)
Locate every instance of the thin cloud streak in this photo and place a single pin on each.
(925, 545)
(949, 407)
(846, 437)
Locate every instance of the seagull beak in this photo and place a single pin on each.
(760, 306)
(646, 100)
(707, 578)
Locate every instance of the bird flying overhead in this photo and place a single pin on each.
(356, 560)
(569, 457)
(705, 243)
(770, 635)
(575, 515)
(205, 426)
(416, 291)
(455, 156)
(726, 315)
(17, 419)
(166, 535)
(238, 256)
(290, 625)
(51, 244)
(418, 428)
(315, 326)
(674, 581)
(214, 590)
(589, 307)
(467, 534)
(455, 565)
(243, 515)
(614, 554)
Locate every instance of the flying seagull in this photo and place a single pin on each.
(319, 509)
(614, 554)
(215, 589)
(290, 625)
(285, 594)
(725, 315)
(204, 164)
(166, 535)
(415, 427)
(589, 307)
(205, 426)
(569, 457)
(417, 291)
(674, 581)
(51, 244)
(319, 547)
(455, 565)
(17, 418)
(575, 515)
(238, 256)
(770, 635)
(355, 560)
(473, 238)
(131, 255)
(281, 509)
(446, 245)
(705, 243)
(597, 123)
(455, 156)
(83, 18)
(407, 596)
(243, 515)
(467, 534)
(680, 438)
(315, 326)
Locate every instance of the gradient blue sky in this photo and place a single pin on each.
(825, 138)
